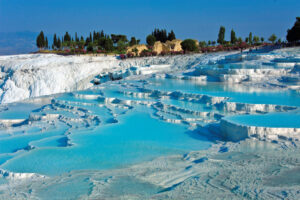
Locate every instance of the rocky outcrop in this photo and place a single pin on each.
(160, 47)
(139, 47)
(174, 45)
(235, 132)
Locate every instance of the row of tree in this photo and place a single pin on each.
(249, 40)
(100, 41)
(160, 35)
(95, 41)
(116, 42)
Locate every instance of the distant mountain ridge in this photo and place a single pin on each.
(17, 42)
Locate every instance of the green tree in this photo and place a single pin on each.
(117, 38)
(250, 38)
(90, 38)
(108, 44)
(81, 43)
(293, 34)
(171, 36)
(189, 45)
(121, 46)
(150, 40)
(256, 39)
(279, 41)
(54, 46)
(202, 44)
(133, 41)
(221, 35)
(233, 38)
(90, 47)
(40, 40)
(46, 43)
(87, 41)
(272, 38)
(240, 40)
(101, 42)
(262, 39)
(76, 37)
(67, 37)
(58, 45)
(102, 34)
(160, 35)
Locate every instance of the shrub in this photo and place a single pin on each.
(189, 45)
(220, 48)
(130, 55)
(154, 53)
(122, 56)
(243, 45)
(90, 47)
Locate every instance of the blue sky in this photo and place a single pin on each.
(199, 19)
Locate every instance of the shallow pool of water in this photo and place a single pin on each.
(236, 92)
(276, 120)
(138, 137)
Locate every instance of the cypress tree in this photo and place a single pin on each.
(221, 35)
(233, 38)
(40, 40)
(46, 43)
(250, 38)
(67, 37)
(108, 44)
(58, 44)
(132, 41)
(94, 36)
(76, 37)
(171, 36)
(160, 35)
(54, 41)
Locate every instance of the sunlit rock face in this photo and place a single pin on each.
(179, 127)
